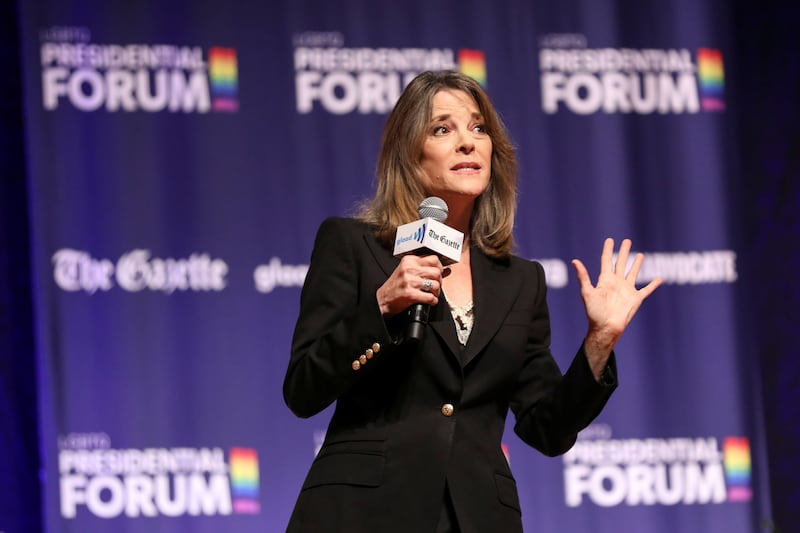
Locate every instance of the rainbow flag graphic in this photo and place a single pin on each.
(711, 77)
(223, 77)
(244, 480)
(736, 453)
(473, 64)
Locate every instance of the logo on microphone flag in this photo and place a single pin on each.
(430, 236)
(419, 235)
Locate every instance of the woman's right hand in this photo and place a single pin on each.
(417, 279)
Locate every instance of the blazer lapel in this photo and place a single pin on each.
(441, 321)
(382, 256)
(495, 287)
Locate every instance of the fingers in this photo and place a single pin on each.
(607, 257)
(633, 273)
(622, 256)
(648, 289)
(422, 263)
(430, 285)
(614, 300)
(415, 280)
(419, 279)
(582, 273)
(415, 268)
(424, 260)
(618, 267)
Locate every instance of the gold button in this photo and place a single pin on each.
(362, 359)
(447, 409)
(368, 353)
(376, 347)
(356, 365)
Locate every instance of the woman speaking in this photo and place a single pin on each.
(414, 444)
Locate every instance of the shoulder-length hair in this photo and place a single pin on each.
(399, 190)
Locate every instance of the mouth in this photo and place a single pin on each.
(467, 165)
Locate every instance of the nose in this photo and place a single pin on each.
(465, 143)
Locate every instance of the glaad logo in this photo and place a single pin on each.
(418, 236)
(625, 80)
(276, 274)
(135, 77)
(76, 270)
(110, 482)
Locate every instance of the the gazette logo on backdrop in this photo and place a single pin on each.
(654, 471)
(108, 482)
(363, 80)
(626, 80)
(137, 270)
(135, 77)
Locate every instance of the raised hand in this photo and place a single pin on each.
(612, 303)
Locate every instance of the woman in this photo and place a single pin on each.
(414, 444)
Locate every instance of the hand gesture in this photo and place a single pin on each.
(612, 303)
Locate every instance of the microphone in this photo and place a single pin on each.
(433, 207)
(428, 235)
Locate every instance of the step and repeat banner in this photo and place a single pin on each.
(183, 154)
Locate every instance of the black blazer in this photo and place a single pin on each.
(394, 441)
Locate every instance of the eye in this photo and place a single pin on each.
(440, 129)
(479, 128)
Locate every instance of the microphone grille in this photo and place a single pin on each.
(433, 207)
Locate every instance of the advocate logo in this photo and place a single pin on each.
(135, 77)
(653, 471)
(701, 267)
(643, 81)
(340, 80)
(106, 482)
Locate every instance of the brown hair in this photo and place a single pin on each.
(399, 189)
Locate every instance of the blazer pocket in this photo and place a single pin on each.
(507, 491)
(359, 463)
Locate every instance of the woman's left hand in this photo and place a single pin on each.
(612, 303)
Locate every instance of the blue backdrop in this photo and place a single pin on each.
(180, 160)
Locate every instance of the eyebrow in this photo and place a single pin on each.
(441, 118)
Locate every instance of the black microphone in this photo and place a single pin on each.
(429, 235)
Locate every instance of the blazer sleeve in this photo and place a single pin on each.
(551, 408)
(339, 319)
